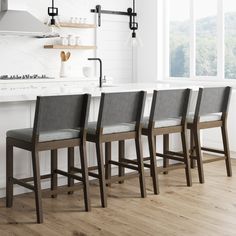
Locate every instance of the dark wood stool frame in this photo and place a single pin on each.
(177, 108)
(112, 118)
(210, 100)
(35, 147)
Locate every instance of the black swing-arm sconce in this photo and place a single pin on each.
(52, 22)
(53, 12)
(133, 25)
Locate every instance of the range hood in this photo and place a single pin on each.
(16, 22)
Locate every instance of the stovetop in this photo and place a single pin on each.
(23, 77)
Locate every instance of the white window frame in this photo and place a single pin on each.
(220, 42)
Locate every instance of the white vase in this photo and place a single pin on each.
(64, 69)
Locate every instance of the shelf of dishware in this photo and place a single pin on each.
(79, 47)
(77, 25)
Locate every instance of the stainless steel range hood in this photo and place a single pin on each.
(15, 22)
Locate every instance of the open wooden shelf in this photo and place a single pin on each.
(79, 47)
(77, 25)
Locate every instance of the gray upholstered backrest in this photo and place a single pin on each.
(213, 100)
(122, 107)
(170, 104)
(61, 112)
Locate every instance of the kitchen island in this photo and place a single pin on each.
(17, 105)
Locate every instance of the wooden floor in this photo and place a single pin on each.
(203, 210)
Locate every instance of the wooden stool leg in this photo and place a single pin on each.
(84, 168)
(166, 144)
(54, 179)
(192, 150)
(186, 159)
(154, 174)
(107, 161)
(37, 186)
(121, 157)
(139, 151)
(9, 175)
(155, 143)
(71, 164)
(101, 173)
(197, 142)
(226, 150)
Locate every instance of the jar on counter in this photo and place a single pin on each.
(77, 40)
(76, 20)
(80, 20)
(64, 41)
(71, 40)
(72, 20)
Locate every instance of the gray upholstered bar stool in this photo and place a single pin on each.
(119, 119)
(211, 112)
(55, 126)
(168, 116)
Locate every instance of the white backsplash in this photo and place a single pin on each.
(23, 55)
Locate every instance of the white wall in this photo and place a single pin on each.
(113, 48)
(23, 55)
(147, 54)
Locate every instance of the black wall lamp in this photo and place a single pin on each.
(53, 12)
(133, 25)
(52, 22)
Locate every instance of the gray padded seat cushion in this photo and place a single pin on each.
(26, 134)
(205, 118)
(163, 123)
(111, 129)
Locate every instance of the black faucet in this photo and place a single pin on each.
(100, 62)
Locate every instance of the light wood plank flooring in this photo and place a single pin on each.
(202, 210)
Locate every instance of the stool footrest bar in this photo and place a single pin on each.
(66, 189)
(76, 170)
(60, 172)
(212, 150)
(147, 165)
(170, 157)
(117, 178)
(23, 184)
(179, 154)
(124, 165)
(30, 179)
(171, 167)
(133, 162)
(95, 175)
(91, 168)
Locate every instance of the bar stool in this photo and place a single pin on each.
(211, 112)
(55, 123)
(119, 119)
(168, 116)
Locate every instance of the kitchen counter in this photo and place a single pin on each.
(28, 90)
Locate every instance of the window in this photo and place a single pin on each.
(230, 39)
(206, 37)
(179, 39)
(202, 38)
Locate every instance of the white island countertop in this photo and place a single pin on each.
(18, 92)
